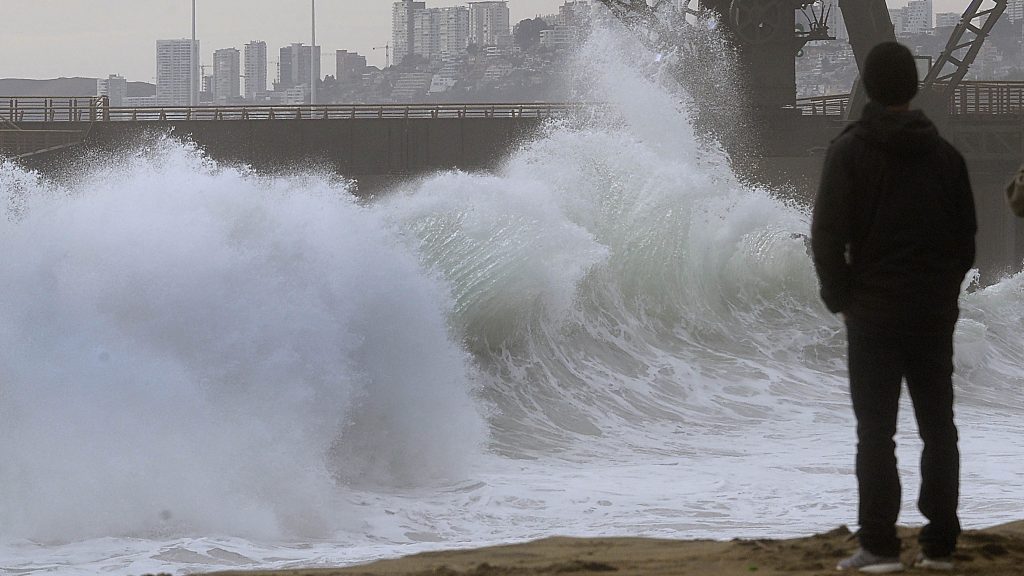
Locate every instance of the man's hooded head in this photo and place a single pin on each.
(890, 74)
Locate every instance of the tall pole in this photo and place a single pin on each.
(192, 61)
(410, 24)
(312, 67)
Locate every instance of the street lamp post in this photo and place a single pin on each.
(192, 61)
(312, 67)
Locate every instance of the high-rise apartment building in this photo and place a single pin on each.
(177, 72)
(294, 66)
(489, 23)
(206, 93)
(567, 27)
(442, 34)
(114, 87)
(425, 40)
(1015, 10)
(436, 34)
(914, 18)
(573, 13)
(403, 28)
(919, 17)
(256, 71)
(350, 67)
(452, 32)
(226, 75)
(947, 19)
(896, 17)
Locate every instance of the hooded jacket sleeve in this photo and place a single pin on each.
(831, 228)
(968, 218)
(1015, 193)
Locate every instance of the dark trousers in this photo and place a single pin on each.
(879, 360)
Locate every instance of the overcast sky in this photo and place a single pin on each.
(94, 38)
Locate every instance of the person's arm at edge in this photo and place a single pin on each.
(830, 230)
(968, 218)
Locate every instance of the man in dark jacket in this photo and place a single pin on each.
(893, 237)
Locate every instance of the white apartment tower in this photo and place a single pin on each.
(175, 69)
(436, 33)
(403, 28)
(256, 71)
(1015, 10)
(226, 75)
(914, 18)
(452, 32)
(489, 22)
(947, 19)
(919, 17)
(425, 37)
(114, 87)
(442, 34)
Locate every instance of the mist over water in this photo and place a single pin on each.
(203, 368)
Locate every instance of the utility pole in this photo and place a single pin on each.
(193, 92)
(312, 67)
(410, 23)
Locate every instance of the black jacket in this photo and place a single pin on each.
(893, 225)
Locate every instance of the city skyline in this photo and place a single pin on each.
(95, 39)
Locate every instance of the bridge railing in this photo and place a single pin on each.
(969, 98)
(55, 109)
(987, 98)
(93, 109)
(340, 112)
(831, 105)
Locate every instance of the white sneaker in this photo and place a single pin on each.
(869, 563)
(941, 564)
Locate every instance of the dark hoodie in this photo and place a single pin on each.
(893, 225)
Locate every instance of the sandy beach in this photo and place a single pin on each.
(996, 551)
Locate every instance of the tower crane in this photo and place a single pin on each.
(387, 54)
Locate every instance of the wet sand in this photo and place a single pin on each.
(997, 551)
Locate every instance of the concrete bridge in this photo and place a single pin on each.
(377, 145)
(372, 144)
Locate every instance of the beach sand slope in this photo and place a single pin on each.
(997, 551)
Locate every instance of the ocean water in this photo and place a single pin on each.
(203, 368)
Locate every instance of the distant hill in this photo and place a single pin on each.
(53, 87)
(64, 87)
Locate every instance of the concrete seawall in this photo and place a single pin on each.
(373, 151)
(378, 152)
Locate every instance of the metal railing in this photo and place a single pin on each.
(969, 98)
(96, 109)
(340, 112)
(58, 109)
(832, 105)
(987, 98)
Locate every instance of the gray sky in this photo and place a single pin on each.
(52, 38)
